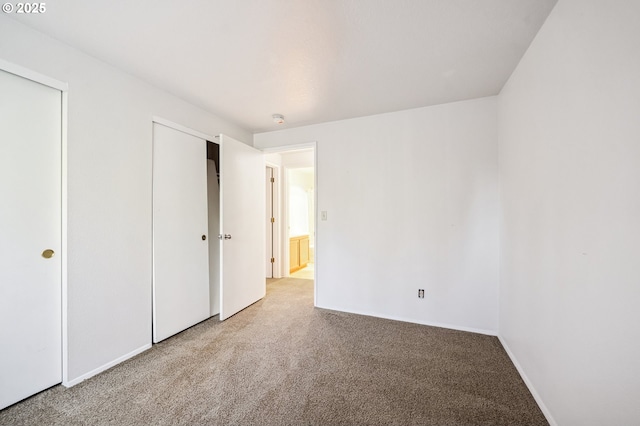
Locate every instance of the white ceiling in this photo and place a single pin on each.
(310, 60)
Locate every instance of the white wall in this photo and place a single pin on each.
(299, 168)
(109, 193)
(412, 202)
(569, 125)
(301, 203)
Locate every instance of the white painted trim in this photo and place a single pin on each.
(184, 129)
(153, 233)
(70, 383)
(315, 223)
(64, 240)
(288, 148)
(33, 76)
(413, 321)
(532, 389)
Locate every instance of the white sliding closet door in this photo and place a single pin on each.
(30, 238)
(180, 229)
(242, 197)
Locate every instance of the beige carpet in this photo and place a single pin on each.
(283, 362)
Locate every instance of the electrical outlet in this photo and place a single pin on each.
(323, 215)
(421, 293)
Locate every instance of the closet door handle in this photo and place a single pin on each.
(227, 236)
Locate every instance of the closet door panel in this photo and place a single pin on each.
(180, 228)
(30, 238)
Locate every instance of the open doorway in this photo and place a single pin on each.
(291, 213)
(301, 200)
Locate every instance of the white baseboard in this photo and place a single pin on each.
(413, 321)
(70, 383)
(527, 382)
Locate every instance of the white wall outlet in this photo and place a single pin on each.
(323, 215)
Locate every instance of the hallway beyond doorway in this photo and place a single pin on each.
(306, 273)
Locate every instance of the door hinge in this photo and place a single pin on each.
(273, 180)
(273, 260)
(273, 220)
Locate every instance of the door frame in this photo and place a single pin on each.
(64, 89)
(183, 129)
(283, 234)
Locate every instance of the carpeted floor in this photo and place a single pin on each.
(283, 362)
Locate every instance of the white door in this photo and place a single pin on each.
(180, 227)
(269, 222)
(242, 226)
(30, 224)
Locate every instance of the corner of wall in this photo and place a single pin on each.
(532, 389)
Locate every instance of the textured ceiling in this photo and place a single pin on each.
(311, 60)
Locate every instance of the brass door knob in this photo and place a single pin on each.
(48, 253)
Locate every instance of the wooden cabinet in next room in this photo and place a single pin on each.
(298, 252)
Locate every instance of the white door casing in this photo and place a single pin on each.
(30, 223)
(180, 253)
(242, 195)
